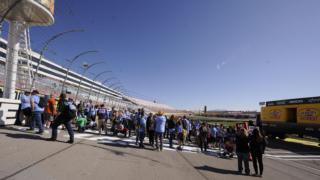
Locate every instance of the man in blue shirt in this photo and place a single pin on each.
(36, 112)
(142, 129)
(26, 107)
(160, 123)
(102, 115)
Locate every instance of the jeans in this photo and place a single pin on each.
(257, 157)
(159, 136)
(189, 135)
(130, 126)
(203, 143)
(137, 136)
(141, 138)
(151, 137)
(36, 120)
(245, 158)
(171, 136)
(166, 133)
(67, 123)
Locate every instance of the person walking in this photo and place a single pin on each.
(242, 149)
(37, 109)
(257, 148)
(160, 124)
(66, 112)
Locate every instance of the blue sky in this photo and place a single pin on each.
(226, 54)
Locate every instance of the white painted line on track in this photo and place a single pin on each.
(301, 159)
(293, 156)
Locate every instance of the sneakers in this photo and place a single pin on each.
(40, 132)
(29, 130)
(50, 139)
(70, 142)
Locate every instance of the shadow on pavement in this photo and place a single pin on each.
(24, 136)
(123, 144)
(294, 147)
(13, 129)
(121, 153)
(217, 170)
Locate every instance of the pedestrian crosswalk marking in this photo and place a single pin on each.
(102, 139)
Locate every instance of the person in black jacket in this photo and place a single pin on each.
(257, 147)
(203, 137)
(242, 149)
(66, 112)
(150, 129)
(172, 129)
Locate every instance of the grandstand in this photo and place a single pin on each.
(51, 76)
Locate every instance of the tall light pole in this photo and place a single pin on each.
(98, 75)
(45, 47)
(86, 68)
(71, 62)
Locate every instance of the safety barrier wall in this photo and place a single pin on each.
(8, 111)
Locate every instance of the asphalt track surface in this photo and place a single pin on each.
(28, 156)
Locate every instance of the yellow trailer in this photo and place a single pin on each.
(291, 116)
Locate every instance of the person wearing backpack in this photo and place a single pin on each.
(37, 108)
(66, 112)
(102, 115)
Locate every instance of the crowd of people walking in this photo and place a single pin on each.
(178, 130)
